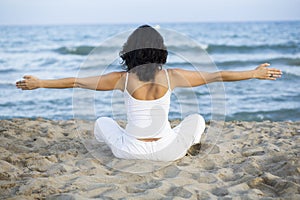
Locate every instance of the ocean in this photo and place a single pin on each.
(63, 51)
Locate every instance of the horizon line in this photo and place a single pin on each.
(152, 23)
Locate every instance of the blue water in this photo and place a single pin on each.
(59, 51)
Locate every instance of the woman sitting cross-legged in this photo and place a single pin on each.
(147, 89)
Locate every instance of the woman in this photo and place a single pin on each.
(147, 89)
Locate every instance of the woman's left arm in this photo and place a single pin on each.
(261, 72)
(186, 78)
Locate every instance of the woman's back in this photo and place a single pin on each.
(150, 90)
(147, 105)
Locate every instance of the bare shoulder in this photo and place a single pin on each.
(178, 71)
(175, 75)
(174, 72)
(117, 74)
(119, 79)
(186, 78)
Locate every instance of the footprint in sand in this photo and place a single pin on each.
(179, 192)
(202, 149)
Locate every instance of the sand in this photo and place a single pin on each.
(44, 159)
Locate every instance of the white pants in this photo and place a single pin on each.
(172, 146)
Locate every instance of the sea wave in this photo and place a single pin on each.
(185, 47)
(80, 50)
(240, 63)
(289, 66)
(284, 48)
(84, 50)
(8, 70)
(272, 115)
(277, 61)
(289, 47)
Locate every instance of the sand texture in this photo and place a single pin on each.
(44, 159)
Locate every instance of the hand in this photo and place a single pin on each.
(265, 73)
(29, 83)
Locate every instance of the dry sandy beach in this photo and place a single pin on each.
(44, 159)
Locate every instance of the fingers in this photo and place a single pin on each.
(273, 70)
(272, 78)
(270, 70)
(22, 84)
(269, 73)
(274, 73)
(26, 83)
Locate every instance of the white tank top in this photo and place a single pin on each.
(147, 118)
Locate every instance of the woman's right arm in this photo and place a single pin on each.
(109, 81)
(32, 82)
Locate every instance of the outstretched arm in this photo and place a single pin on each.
(109, 81)
(32, 82)
(185, 78)
(261, 72)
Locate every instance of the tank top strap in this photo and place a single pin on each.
(126, 81)
(168, 79)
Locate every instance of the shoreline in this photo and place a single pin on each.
(43, 158)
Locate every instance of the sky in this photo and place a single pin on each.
(44, 12)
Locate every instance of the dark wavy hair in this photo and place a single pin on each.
(144, 53)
